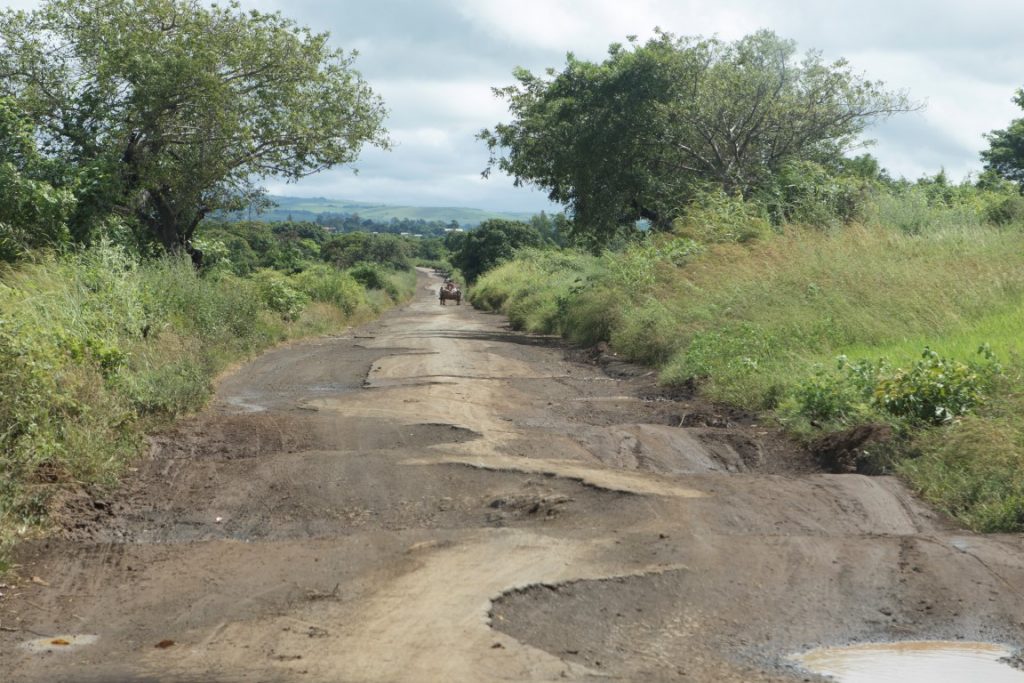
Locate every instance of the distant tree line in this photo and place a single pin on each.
(353, 222)
(246, 246)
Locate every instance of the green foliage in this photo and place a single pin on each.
(168, 110)
(542, 288)
(637, 135)
(715, 217)
(935, 389)
(974, 471)
(371, 276)
(1008, 211)
(278, 294)
(33, 213)
(646, 332)
(492, 243)
(327, 285)
(1005, 155)
(844, 396)
(755, 324)
(345, 251)
(807, 192)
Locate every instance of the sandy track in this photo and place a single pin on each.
(434, 498)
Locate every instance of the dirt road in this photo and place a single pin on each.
(435, 498)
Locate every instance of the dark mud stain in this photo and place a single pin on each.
(506, 509)
(852, 450)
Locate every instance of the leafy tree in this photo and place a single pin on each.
(553, 229)
(1005, 155)
(32, 212)
(431, 249)
(344, 251)
(640, 134)
(170, 109)
(493, 242)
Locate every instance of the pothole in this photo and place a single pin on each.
(931, 660)
(59, 643)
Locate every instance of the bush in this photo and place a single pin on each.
(1007, 211)
(278, 294)
(329, 285)
(646, 332)
(807, 193)
(843, 396)
(935, 389)
(715, 217)
(491, 243)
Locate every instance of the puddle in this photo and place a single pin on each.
(906, 662)
(242, 402)
(59, 643)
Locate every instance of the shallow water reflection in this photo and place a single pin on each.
(906, 662)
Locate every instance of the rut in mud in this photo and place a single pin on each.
(435, 498)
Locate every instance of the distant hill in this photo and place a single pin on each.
(308, 208)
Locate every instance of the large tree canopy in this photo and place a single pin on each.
(635, 136)
(167, 110)
(32, 212)
(1005, 154)
(491, 243)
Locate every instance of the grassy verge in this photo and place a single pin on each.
(97, 347)
(761, 325)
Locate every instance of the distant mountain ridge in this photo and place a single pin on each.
(308, 208)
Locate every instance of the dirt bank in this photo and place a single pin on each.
(435, 498)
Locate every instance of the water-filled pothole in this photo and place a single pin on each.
(932, 661)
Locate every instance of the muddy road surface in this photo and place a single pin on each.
(436, 498)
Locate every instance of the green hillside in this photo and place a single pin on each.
(307, 209)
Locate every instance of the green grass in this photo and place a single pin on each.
(760, 325)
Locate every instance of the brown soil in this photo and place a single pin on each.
(435, 498)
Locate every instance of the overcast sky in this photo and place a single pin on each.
(434, 63)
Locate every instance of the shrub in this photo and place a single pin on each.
(935, 389)
(1007, 211)
(278, 294)
(646, 332)
(369, 275)
(329, 285)
(716, 217)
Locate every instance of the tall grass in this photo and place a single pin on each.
(96, 347)
(760, 325)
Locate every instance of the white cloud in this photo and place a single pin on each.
(440, 103)
(435, 61)
(587, 27)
